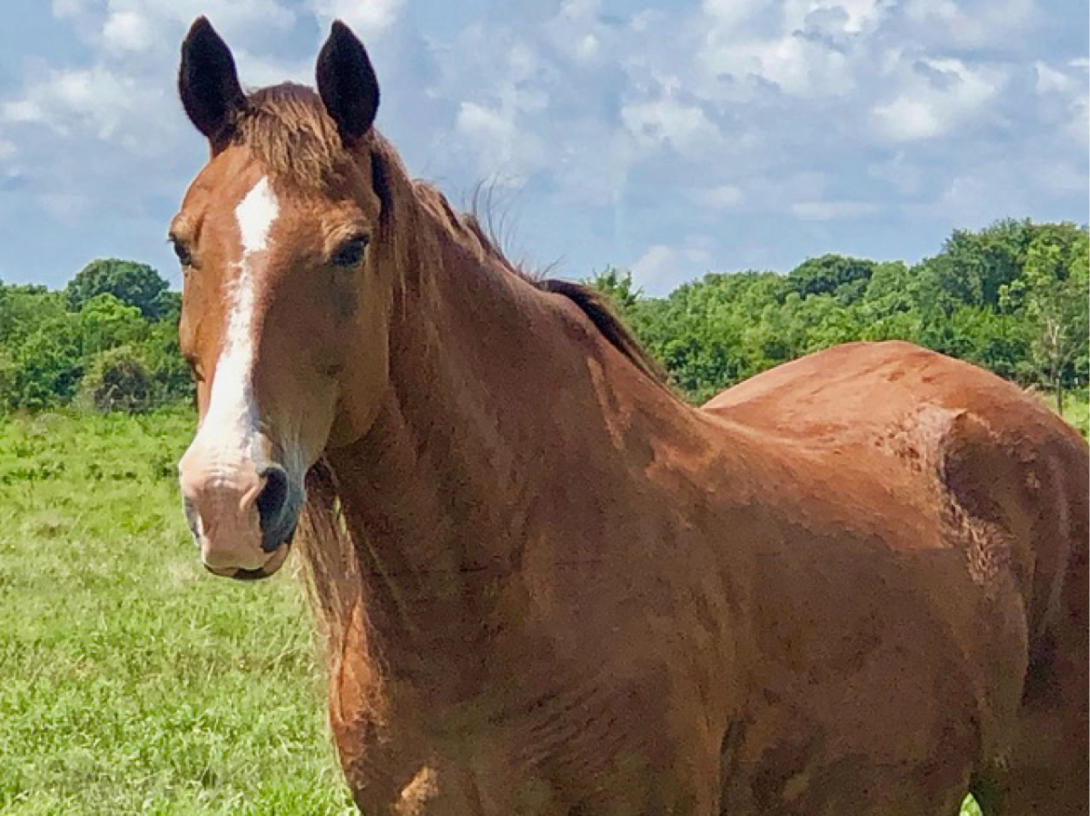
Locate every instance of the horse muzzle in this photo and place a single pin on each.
(242, 515)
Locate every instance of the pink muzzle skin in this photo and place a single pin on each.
(242, 516)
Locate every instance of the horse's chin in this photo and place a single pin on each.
(266, 570)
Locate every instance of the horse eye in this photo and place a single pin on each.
(181, 249)
(350, 252)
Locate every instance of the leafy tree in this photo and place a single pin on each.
(837, 275)
(106, 322)
(48, 366)
(617, 285)
(973, 267)
(168, 307)
(7, 379)
(169, 373)
(133, 283)
(1052, 291)
(23, 309)
(118, 380)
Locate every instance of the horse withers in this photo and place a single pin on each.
(856, 583)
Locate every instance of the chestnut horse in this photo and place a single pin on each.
(856, 584)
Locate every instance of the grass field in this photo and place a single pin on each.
(131, 681)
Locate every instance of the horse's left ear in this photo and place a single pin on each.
(347, 83)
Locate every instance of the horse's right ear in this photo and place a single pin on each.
(208, 83)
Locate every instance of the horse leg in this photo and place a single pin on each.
(1048, 773)
(1048, 769)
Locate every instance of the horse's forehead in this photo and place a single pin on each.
(225, 179)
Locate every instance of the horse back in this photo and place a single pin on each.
(1009, 476)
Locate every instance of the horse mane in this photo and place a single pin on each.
(594, 305)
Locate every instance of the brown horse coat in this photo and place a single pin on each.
(1006, 483)
(854, 584)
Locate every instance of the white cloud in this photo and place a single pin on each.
(974, 199)
(1049, 80)
(128, 31)
(120, 29)
(366, 17)
(259, 70)
(666, 121)
(65, 207)
(662, 267)
(1061, 177)
(730, 14)
(97, 102)
(797, 65)
(655, 269)
(1078, 127)
(70, 8)
(850, 16)
(937, 96)
(576, 31)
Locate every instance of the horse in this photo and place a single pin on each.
(545, 584)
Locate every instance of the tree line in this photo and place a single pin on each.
(1012, 297)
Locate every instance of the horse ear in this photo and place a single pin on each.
(347, 83)
(208, 83)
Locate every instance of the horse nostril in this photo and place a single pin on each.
(272, 497)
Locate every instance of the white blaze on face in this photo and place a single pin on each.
(227, 432)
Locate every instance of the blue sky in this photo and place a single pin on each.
(669, 138)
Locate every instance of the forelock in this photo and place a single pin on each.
(288, 131)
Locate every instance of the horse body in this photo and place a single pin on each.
(659, 610)
(547, 585)
(1008, 480)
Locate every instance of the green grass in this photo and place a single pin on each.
(130, 680)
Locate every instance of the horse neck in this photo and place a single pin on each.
(498, 394)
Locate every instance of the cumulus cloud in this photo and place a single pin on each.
(96, 102)
(660, 267)
(367, 18)
(668, 122)
(937, 96)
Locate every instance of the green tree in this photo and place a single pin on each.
(106, 322)
(130, 282)
(1052, 291)
(118, 379)
(170, 376)
(48, 366)
(618, 286)
(974, 267)
(843, 277)
(23, 309)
